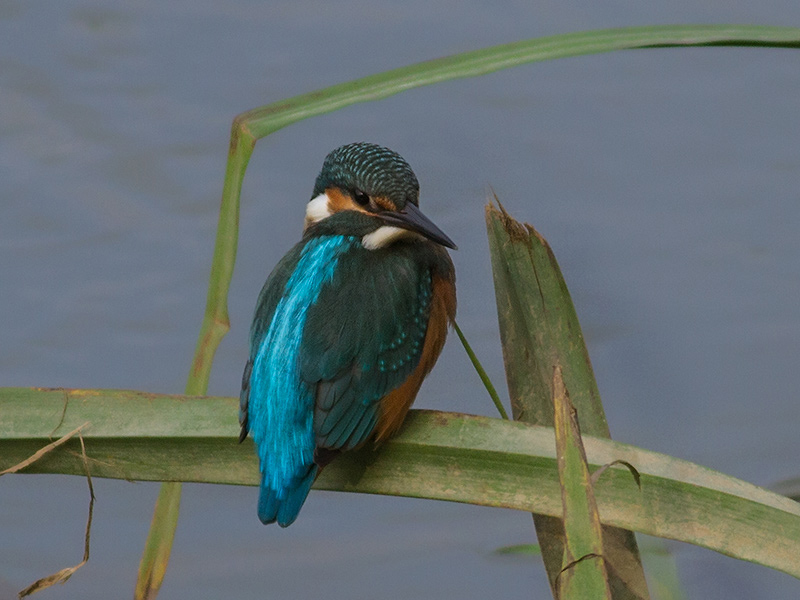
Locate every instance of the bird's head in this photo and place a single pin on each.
(374, 182)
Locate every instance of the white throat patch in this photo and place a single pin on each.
(384, 236)
(317, 209)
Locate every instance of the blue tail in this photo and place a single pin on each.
(285, 509)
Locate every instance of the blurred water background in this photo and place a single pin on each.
(667, 182)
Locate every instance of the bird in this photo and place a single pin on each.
(347, 326)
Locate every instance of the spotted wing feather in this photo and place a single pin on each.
(363, 338)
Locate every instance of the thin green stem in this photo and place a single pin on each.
(158, 547)
(487, 383)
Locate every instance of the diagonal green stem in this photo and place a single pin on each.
(155, 558)
(487, 383)
(267, 119)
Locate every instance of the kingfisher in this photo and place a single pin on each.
(347, 325)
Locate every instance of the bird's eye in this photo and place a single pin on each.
(361, 198)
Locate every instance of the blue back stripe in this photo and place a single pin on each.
(281, 405)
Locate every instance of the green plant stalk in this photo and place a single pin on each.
(264, 120)
(539, 330)
(216, 323)
(445, 456)
(155, 558)
(476, 364)
(583, 572)
(255, 124)
(539, 326)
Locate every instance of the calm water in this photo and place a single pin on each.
(667, 182)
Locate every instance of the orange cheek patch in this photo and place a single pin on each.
(339, 201)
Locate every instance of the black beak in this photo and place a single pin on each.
(411, 218)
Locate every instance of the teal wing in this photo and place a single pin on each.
(363, 338)
(267, 302)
